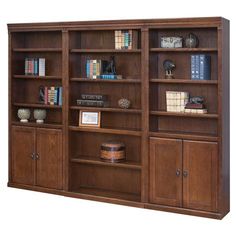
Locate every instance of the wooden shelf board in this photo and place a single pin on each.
(105, 130)
(183, 49)
(105, 50)
(184, 135)
(18, 104)
(183, 81)
(34, 124)
(108, 194)
(182, 114)
(37, 49)
(98, 161)
(48, 77)
(107, 109)
(105, 80)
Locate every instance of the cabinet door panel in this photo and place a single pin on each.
(165, 171)
(23, 146)
(49, 164)
(200, 184)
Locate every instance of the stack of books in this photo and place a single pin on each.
(35, 66)
(200, 67)
(126, 39)
(176, 101)
(50, 95)
(93, 100)
(95, 70)
(195, 108)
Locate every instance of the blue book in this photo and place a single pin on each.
(87, 68)
(36, 71)
(60, 96)
(205, 67)
(55, 97)
(197, 67)
(193, 67)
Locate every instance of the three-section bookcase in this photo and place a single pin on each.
(177, 162)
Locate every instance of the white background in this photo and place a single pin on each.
(31, 213)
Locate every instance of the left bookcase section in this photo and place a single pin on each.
(36, 85)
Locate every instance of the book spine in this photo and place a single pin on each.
(55, 96)
(98, 97)
(205, 68)
(46, 95)
(41, 69)
(26, 66)
(193, 67)
(60, 96)
(87, 68)
(35, 66)
(90, 103)
(197, 70)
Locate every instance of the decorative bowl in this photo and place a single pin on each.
(39, 115)
(23, 114)
(124, 103)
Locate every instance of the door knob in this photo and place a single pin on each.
(185, 173)
(32, 156)
(177, 172)
(36, 156)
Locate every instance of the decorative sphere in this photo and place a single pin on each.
(124, 103)
(39, 115)
(23, 114)
(191, 41)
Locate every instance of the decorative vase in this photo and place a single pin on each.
(23, 114)
(39, 115)
(124, 103)
(191, 41)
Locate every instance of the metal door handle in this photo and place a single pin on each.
(177, 172)
(185, 173)
(32, 156)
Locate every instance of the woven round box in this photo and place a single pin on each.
(113, 151)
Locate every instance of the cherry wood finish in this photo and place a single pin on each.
(200, 175)
(148, 131)
(166, 171)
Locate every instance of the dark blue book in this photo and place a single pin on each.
(193, 67)
(197, 67)
(205, 67)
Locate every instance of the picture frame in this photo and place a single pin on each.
(89, 118)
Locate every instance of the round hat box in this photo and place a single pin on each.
(113, 151)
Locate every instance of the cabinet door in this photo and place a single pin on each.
(22, 164)
(200, 175)
(165, 171)
(49, 162)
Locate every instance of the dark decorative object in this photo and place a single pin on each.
(196, 100)
(169, 66)
(113, 151)
(191, 41)
(110, 69)
(124, 103)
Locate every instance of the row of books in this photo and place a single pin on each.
(126, 39)
(35, 66)
(93, 100)
(50, 95)
(95, 70)
(200, 67)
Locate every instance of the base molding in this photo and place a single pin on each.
(213, 215)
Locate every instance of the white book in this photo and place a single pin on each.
(41, 66)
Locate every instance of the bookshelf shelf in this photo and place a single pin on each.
(34, 124)
(35, 105)
(48, 77)
(37, 49)
(184, 135)
(97, 161)
(106, 130)
(105, 50)
(107, 109)
(183, 81)
(128, 81)
(157, 143)
(183, 49)
(181, 114)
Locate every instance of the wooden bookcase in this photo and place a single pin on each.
(175, 162)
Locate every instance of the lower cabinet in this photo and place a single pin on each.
(37, 157)
(184, 173)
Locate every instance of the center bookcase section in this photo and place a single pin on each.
(91, 175)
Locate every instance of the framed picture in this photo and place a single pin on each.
(89, 118)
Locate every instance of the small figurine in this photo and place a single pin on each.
(196, 100)
(169, 66)
(111, 67)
